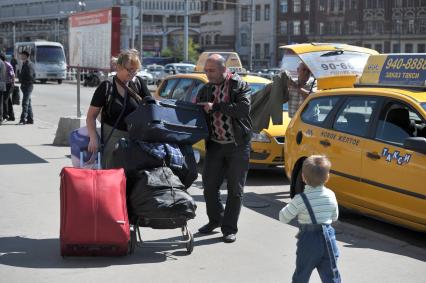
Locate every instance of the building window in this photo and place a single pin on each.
(266, 51)
(296, 6)
(353, 4)
(322, 5)
(296, 27)
(283, 27)
(244, 14)
(380, 4)
(244, 39)
(267, 15)
(208, 41)
(216, 39)
(398, 3)
(257, 13)
(395, 48)
(257, 51)
(307, 5)
(283, 6)
(408, 48)
(306, 26)
(421, 48)
(378, 47)
(411, 26)
(367, 45)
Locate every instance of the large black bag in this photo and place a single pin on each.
(167, 121)
(16, 99)
(158, 193)
(188, 173)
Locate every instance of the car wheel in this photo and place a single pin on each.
(299, 185)
(59, 82)
(43, 81)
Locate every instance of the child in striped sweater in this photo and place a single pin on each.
(316, 208)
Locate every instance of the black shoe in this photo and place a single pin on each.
(208, 228)
(11, 119)
(229, 238)
(22, 122)
(30, 121)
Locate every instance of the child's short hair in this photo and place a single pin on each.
(315, 170)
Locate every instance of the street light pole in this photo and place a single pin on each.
(140, 28)
(132, 26)
(186, 32)
(251, 34)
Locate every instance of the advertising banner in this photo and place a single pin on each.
(94, 37)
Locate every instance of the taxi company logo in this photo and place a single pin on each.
(400, 159)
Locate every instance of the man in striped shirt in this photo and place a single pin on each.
(299, 90)
(315, 210)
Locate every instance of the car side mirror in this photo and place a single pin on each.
(417, 144)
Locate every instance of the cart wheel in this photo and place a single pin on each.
(190, 244)
(133, 240)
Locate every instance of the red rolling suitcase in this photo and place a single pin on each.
(94, 219)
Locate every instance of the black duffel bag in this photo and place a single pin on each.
(16, 97)
(167, 121)
(159, 194)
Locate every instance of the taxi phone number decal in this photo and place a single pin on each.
(404, 69)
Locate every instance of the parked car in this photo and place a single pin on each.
(375, 137)
(144, 74)
(179, 68)
(157, 71)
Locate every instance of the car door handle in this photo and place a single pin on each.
(373, 155)
(325, 143)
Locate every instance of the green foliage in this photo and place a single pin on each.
(176, 50)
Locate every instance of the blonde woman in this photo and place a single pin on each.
(115, 100)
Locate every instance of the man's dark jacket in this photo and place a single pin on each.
(238, 107)
(27, 74)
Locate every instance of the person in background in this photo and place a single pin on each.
(26, 78)
(299, 90)
(8, 113)
(115, 100)
(226, 100)
(3, 80)
(14, 62)
(316, 208)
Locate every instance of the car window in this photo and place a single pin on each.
(354, 116)
(423, 105)
(168, 87)
(195, 89)
(398, 122)
(181, 89)
(317, 110)
(255, 87)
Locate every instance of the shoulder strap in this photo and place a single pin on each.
(309, 207)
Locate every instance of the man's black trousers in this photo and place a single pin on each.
(231, 162)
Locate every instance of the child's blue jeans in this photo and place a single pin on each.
(312, 253)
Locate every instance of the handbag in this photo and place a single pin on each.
(16, 97)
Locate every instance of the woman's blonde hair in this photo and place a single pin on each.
(126, 56)
(315, 170)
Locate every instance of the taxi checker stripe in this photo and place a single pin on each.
(383, 186)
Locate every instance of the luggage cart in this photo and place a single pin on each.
(160, 223)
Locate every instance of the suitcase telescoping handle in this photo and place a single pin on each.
(156, 122)
(181, 106)
(98, 160)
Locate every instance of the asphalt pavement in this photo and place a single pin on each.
(264, 250)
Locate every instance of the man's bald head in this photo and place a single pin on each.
(215, 68)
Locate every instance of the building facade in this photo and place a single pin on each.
(385, 25)
(163, 21)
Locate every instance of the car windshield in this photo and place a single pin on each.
(423, 105)
(50, 54)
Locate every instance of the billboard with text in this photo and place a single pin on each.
(93, 38)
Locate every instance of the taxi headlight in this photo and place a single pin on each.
(262, 137)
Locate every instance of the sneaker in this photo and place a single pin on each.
(229, 238)
(208, 228)
(22, 122)
(30, 121)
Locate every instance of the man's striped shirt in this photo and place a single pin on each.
(323, 202)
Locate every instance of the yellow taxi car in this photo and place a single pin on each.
(374, 135)
(267, 147)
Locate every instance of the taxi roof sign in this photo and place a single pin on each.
(232, 61)
(397, 70)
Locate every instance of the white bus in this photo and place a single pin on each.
(48, 58)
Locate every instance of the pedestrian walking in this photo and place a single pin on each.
(26, 78)
(316, 208)
(115, 99)
(299, 90)
(13, 62)
(227, 104)
(8, 113)
(3, 80)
